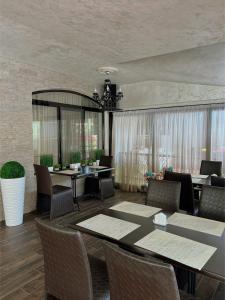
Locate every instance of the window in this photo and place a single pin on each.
(218, 135)
(62, 129)
(45, 132)
(177, 137)
(93, 132)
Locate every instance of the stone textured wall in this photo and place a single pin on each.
(17, 82)
(162, 93)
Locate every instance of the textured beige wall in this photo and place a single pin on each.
(163, 93)
(17, 82)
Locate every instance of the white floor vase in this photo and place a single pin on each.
(13, 200)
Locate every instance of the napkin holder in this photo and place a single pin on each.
(160, 219)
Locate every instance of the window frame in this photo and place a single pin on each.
(60, 107)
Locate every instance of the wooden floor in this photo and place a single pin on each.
(21, 260)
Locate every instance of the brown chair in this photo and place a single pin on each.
(218, 181)
(103, 185)
(69, 272)
(164, 194)
(212, 203)
(57, 199)
(132, 277)
(187, 191)
(209, 167)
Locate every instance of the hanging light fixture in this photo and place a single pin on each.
(108, 101)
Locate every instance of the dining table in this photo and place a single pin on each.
(214, 267)
(81, 172)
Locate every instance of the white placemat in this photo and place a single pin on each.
(183, 250)
(197, 223)
(98, 167)
(136, 209)
(112, 227)
(68, 172)
(199, 176)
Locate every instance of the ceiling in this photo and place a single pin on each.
(170, 40)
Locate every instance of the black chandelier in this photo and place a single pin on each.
(108, 101)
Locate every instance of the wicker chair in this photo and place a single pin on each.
(164, 194)
(212, 203)
(132, 277)
(69, 272)
(187, 192)
(103, 185)
(209, 167)
(217, 181)
(57, 199)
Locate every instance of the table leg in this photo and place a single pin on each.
(74, 188)
(191, 282)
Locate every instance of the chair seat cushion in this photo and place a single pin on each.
(60, 188)
(99, 278)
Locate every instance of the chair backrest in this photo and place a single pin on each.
(218, 181)
(133, 277)
(212, 203)
(105, 161)
(209, 167)
(186, 193)
(164, 194)
(67, 269)
(43, 178)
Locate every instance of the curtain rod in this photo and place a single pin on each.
(165, 107)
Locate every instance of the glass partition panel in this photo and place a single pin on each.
(71, 135)
(93, 132)
(45, 132)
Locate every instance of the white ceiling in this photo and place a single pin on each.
(170, 40)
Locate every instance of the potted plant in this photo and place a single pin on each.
(98, 153)
(57, 167)
(12, 176)
(75, 159)
(47, 161)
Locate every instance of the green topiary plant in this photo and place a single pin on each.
(46, 160)
(12, 170)
(98, 153)
(75, 157)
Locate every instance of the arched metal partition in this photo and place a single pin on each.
(66, 102)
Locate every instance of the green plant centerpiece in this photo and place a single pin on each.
(46, 160)
(57, 167)
(98, 153)
(12, 176)
(75, 157)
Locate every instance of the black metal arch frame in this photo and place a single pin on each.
(66, 91)
(60, 106)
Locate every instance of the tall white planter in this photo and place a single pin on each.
(13, 200)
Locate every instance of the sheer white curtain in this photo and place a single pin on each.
(180, 139)
(45, 132)
(71, 133)
(218, 135)
(132, 143)
(93, 132)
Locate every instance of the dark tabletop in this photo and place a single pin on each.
(215, 267)
(82, 172)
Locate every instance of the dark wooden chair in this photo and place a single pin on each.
(218, 181)
(132, 277)
(209, 167)
(187, 191)
(212, 203)
(103, 185)
(57, 199)
(69, 272)
(164, 194)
